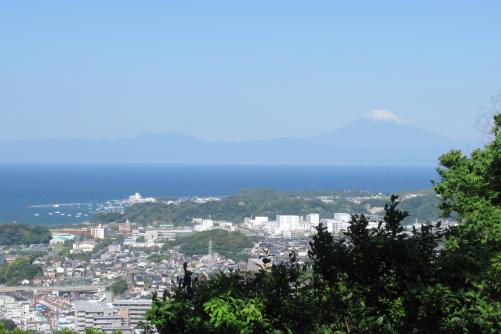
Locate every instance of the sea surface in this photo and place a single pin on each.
(68, 194)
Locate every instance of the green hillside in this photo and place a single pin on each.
(20, 234)
(269, 202)
(229, 244)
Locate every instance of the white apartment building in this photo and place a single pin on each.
(201, 224)
(313, 219)
(255, 223)
(342, 216)
(287, 222)
(132, 310)
(98, 232)
(93, 314)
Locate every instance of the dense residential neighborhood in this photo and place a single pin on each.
(103, 275)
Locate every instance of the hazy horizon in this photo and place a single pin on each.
(240, 71)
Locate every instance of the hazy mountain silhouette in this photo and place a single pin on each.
(377, 138)
(378, 129)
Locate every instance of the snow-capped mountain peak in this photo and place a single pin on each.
(384, 116)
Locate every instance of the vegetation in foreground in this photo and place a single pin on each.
(381, 280)
(21, 234)
(9, 327)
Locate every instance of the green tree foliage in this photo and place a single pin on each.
(20, 234)
(107, 217)
(157, 258)
(6, 328)
(8, 324)
(14, 272)
(119, 287)
(379, 280)
(87, 331)
(229, 244)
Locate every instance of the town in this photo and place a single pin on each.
(103, 275)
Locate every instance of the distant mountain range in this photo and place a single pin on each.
(378, 138)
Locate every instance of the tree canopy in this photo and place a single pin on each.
(119, 287)
(19, 234)
(14, 272)
(267, 202)
(229, 244)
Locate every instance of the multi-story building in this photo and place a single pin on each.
(98, 232)
(313, 219)
(343, 217)
(335, 226)
(125, 228)
(133, 310)
(93, 314)
(287, 222)
(159, 235)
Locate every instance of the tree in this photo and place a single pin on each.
(119, 287)
(20, 269)
(8, 324)
(19, 234)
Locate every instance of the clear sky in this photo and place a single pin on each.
(243, 69)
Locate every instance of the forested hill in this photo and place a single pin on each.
(422, 205)
(20, 234)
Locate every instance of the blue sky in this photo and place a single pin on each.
(240, 70)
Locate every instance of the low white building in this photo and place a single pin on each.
(137, 198)
(159, 235)
(255, 223)
(84, 246)
(201, 224)
(115, 248)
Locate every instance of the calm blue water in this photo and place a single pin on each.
(24, 185)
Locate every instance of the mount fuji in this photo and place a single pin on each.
(381, 131)
(379, 137)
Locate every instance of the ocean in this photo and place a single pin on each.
(80, 189)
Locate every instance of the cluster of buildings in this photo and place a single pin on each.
(137, 198)
(24, 314)
(202, 224)
(150, 236)
(284, 226)
(294, 226)
(110, 316)
(135, 254)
